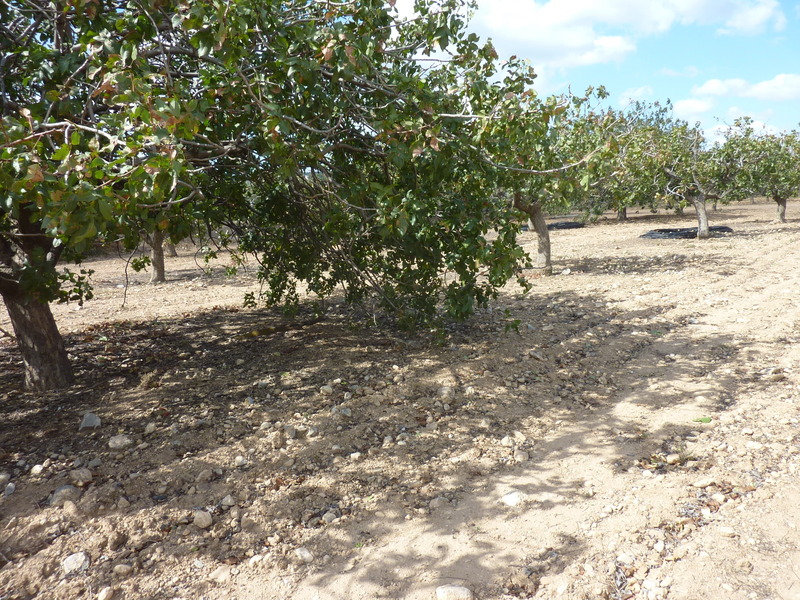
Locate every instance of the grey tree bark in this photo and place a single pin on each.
(699, 202)
(781, 202)
(542, 261)
(156, 242)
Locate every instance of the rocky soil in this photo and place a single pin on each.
(636, 438)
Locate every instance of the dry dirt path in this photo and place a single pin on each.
(588, 515)
(638, 438)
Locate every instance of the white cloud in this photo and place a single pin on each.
(755, 18)
(632, 94)
(785, 86)
(565, 33)
(692, 109)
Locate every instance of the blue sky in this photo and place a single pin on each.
(714, 59)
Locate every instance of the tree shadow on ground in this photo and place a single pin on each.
(369, 427)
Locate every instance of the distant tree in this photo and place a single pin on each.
(772, 162)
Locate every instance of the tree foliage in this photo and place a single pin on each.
(343, 144)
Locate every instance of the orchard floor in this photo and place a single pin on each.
(638, 437)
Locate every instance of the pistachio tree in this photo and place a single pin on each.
(772, 162)
(345, 145)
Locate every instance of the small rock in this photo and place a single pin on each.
(4, 479)
(106, 593)
(70, 508)
(512, 499)
(727, 531)
(673, 459)
(10, 489)
(228, 501)
(202, 519)
(254, 560)
(240, 461)
(116, 540)
(120, 442)
(150, 428)
(330, 516)
(90, 420)
(625, 559)
(326, 390)
(744, 566)
(507, 442)
(453, 592)
(94, 463)
(81, 477)
(720, 498)
(63, 493)
(75, 563)
(521, 455)
(122, 570)
(304, 555)
(446, 392)
(37, 470)
(221, 574)
(204, 476)
(438, 502)
(704, 483)
(753, 445)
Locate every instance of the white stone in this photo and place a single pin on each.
(240, 461)
(75, 563)
(120, 442)
(704, 483)
(150, 428)
(228, 501)
(326, 390)
(727, 531)
(512, 499)
(106, 593)
(221, 574)
(304, 555)
(37, 470)
(521, 455)
(453, 592)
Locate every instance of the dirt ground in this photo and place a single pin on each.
(637, 438)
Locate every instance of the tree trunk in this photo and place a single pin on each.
(156, 241)
(47, 365)
(542, 260)
(781, 202)
(699, 202)
(170, 249)
(622, 213)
